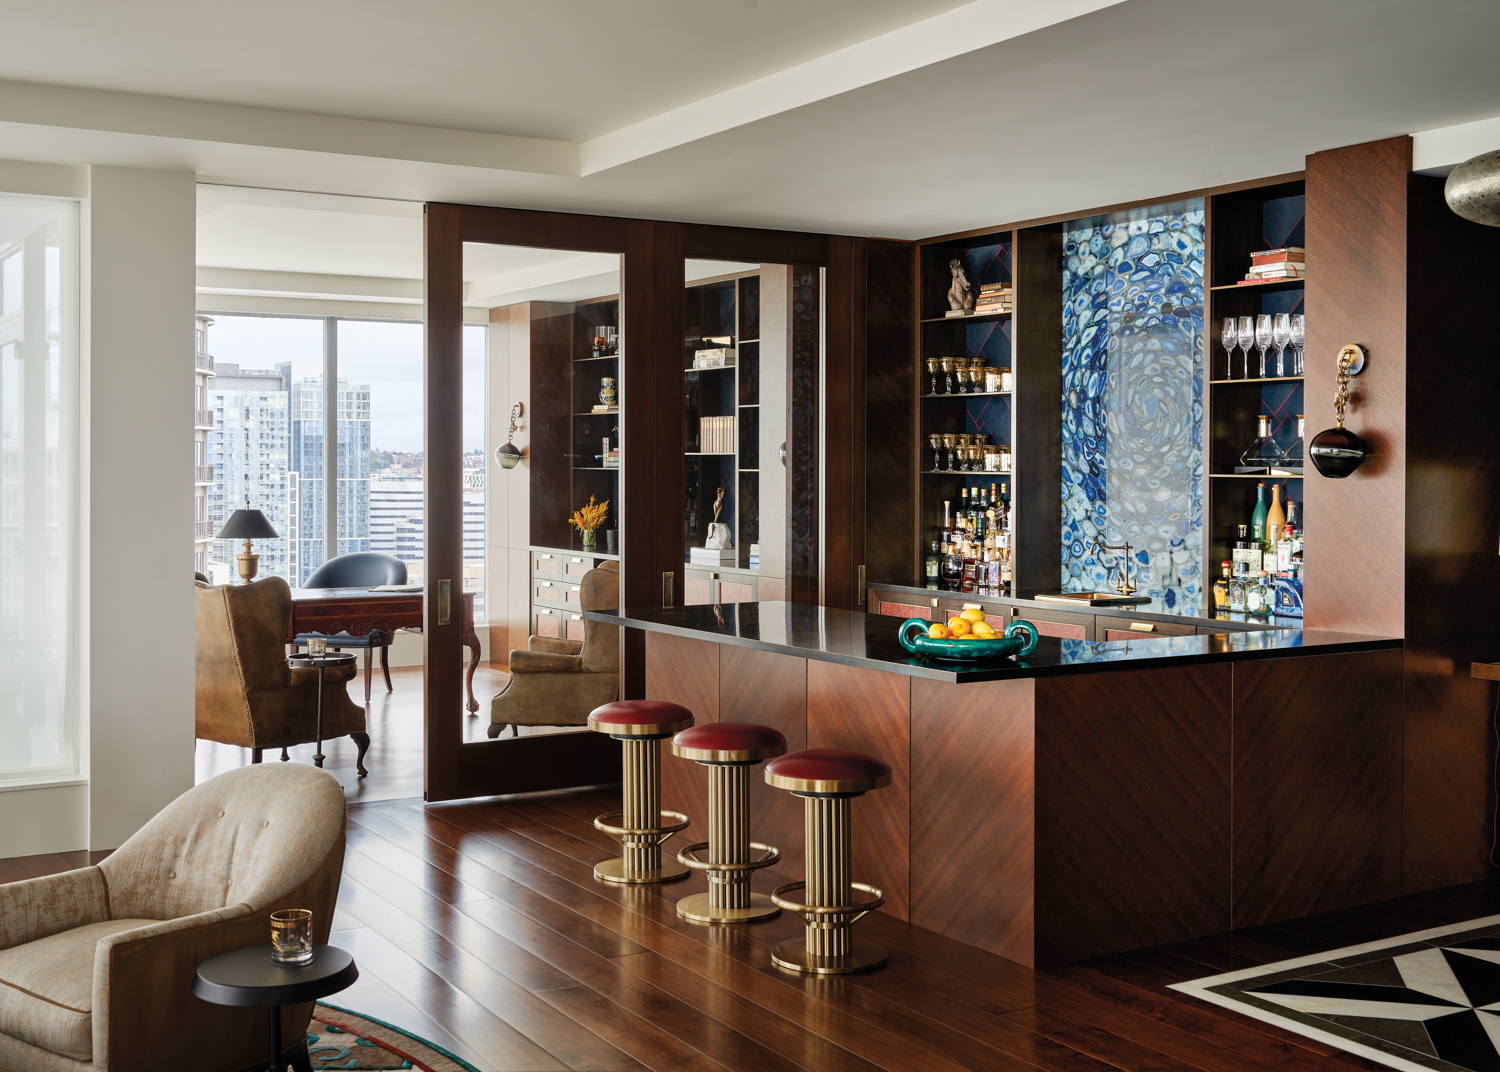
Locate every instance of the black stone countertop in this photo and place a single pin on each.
(855, 638)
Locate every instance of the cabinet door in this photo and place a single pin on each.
(1059, 623)
(899, 605)
(697, 587)
(1112, 628)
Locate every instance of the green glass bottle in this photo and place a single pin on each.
(1258, 519)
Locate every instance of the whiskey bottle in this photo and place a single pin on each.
(932, 567)
(1221, 587)
(953, 568)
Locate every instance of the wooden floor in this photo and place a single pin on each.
(480, 926)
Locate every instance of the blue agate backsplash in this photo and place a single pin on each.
(1132, 406)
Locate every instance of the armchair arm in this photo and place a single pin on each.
(39, 907)
(544, 662)
(555, 644)
(553, 699)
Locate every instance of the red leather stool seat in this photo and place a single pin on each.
(640, 718)
(828, 770)
(728, 742)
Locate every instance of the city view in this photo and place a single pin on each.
(261, 439)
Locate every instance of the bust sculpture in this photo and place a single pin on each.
(718, 533)
(960, 294)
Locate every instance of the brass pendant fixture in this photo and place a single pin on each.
(1336, 451)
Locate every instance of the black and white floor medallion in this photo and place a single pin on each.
(1429, 1000)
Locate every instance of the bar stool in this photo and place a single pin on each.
(728, 750)
(828, 779)
(640, 725)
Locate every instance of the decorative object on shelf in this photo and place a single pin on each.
(611, 541)
(1019, 640)
(247, 525)
(1123, 585)
(960, 294)
(1270, 265)
(1263, 453)
(608, 393)
(1293, 457)
(1336, 451)
(1473, 189)
(507, 453)
(714, 358)
(718, 533)
(587, 519)
(995, 298)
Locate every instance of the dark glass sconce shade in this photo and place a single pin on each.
(507, 453)
(247, 524)
(1337, 452)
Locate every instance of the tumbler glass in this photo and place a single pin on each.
(291, 936)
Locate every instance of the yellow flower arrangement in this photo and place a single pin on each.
(590, 517)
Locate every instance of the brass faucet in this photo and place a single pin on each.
(1123, 585)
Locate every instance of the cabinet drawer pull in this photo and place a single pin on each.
(972, 606)
(544, 584)
(544, 610)
(576, 617)
(543, 556)
(1143, 627)
(575, 560)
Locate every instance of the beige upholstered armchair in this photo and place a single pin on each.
(558, 682)
(96, 964)
(247, 695)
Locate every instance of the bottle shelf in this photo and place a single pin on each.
(710, 453)
(992, 474)
(606, 413)
(596, 468)
(1260, 379)
(1270, 284)
(606, 357)
(969, 394)
(966, 319)
(1256, 476)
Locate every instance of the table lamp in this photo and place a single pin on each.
(247, 525)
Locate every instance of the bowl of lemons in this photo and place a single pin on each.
(967, 637)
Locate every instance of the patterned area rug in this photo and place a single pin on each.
(1428, 1000)
(338, 1038)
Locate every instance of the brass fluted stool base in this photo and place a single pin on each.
(641, 826)
(614, 871)
(697, 909)
(863, 955)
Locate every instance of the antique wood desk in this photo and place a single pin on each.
(357, 611)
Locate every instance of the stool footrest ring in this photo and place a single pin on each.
(659, 833)
(809, 913)
(688, 857)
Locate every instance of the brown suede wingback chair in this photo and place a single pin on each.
(247, 694)
(558, 682)
(97, 965)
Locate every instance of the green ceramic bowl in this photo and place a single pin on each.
(1020, 639)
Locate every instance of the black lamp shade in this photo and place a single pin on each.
(247, 525)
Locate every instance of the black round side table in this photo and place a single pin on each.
(249, 977)
(320, 663)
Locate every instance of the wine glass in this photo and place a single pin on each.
(1247, 339)
(947, 363)
(1229, 339)
(1263, 339)
(1299, 339)
(948, 441)
(1281, 334)
(936, 440)
(932, 369)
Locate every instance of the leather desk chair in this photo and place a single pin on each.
(557, 682)
(358, 569)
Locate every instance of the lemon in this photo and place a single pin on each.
(973, 614)
(959, 626)
(984, 630)
(968, 636)
(938, 631)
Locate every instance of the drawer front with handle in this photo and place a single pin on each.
(547, 592)
(548, 623)
(546, 562)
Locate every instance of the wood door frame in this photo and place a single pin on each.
(653, 310)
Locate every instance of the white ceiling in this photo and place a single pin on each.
(868, 117)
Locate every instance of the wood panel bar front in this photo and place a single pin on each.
(1056, 818)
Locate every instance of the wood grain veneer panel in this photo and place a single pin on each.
(972, 813)
(1447, 747)
(685, 672)
(1317, 784)
(1037, 424)
(1356, 293)
(869, 711)
(771, 689)
(1132, 817)
(891, 547)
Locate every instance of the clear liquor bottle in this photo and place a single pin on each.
(1237, 585)
(1263, 453)
(932, 567)
(1260, 596)
(1292, 459)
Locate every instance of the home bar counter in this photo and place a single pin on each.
(1091, 797)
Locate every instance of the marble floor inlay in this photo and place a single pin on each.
(1428, 1000)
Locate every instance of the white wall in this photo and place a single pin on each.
(138, 302)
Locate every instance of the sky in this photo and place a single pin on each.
(385, 354)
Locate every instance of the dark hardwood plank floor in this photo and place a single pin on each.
(480, 926)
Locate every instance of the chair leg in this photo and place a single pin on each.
(300, 1059)
(368, 663)
(362, 739)
(284, 755)
(495, 730)
(255, 755)
(385, 666)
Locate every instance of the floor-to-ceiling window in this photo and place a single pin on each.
(39, 434)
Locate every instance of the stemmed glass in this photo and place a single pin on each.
(1299, 339)
(932, 369)
(1229, 338)
(1263, 339)
(936, 440)
(947, 363)
(948, 441)
(1247, 339)
(1281, 334)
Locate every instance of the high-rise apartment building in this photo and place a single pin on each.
(203, 424)
(247, 449)
(396, 526)
(352, 473)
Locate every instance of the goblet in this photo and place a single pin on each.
(948, 440)
(976, 459)
(1299, 339)
(1246, 332)
(1281, 334)
(937, 447)
(947, 363)
(1263, 339)
(932, 369)
(1229, 338)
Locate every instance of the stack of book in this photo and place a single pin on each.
(716, 435)
(612, 458)
(1288, 262)
(995, 298)
(754, 561)
(718, 357)
(709, 556)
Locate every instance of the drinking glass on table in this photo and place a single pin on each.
(1247, 340)
(1299, 339)
(1281, 334)
(1263, 339)
(1229, 338)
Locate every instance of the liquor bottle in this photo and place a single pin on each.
(947, 519)
(976, 517)
(932, 567)
(1294, 515)
(1241, 551)
(1284, 550)
(1237, 585)
(1292, 459)
(992, 574)
(1263, 453)
(953, 568)
(963, 509)
(1260, 596)
(1275, 518)
(1258, 518)
(1221, 587)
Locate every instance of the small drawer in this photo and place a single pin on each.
(575, 627)
(546, 562)
(543, 591)
(901, 610)
(573, 594)
(577, 567)
(548, 624)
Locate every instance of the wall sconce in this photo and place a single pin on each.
(1336, 451)
(507, 453)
